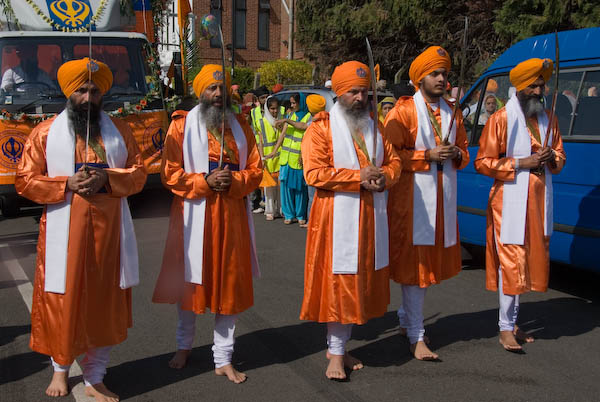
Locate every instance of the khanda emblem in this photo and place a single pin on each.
(158, 139)
(70, 13)
(361, 72)
(12, 149)
(218, 75)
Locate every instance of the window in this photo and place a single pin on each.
(581, 91)
(240, 24)
(264, 9)
(216, 6)
(482, 104)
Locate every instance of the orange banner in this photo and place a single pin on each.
(13, 135)
(149, 130)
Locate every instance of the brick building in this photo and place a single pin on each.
(261, 30)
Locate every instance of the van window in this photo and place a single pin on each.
(568, 87)
(482, 104)
(587, 108)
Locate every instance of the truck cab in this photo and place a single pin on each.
(29, 91)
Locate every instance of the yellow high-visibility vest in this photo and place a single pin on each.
(269, 138)
(291, 147)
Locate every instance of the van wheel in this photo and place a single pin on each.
(10, 206)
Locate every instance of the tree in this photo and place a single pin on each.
(286, 72)
(400, 29)
(519, 19)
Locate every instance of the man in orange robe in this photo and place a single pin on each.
(87, 253)
(519, 218)
(210, 256)
(424, 243)
(346, 278)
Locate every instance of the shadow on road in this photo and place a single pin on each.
(552, 319)
(17, 367)
(150, 203)
(9, 334)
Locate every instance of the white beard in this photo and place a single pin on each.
(357, 122)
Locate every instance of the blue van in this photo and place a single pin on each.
(576, 237)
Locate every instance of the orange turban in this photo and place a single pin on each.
(277, 88)
(349, 75)
(431, 59)
(492, 86)
(316, 103)
(528, 71)
(73, 74)
(208, 75)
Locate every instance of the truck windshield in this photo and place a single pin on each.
(29, 67)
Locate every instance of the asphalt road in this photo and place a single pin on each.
(285, 357)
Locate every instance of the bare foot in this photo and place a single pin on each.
(58, 386)
(403, 333)
(180, 359)
(522, 335)
(101, 393)
(335, 368)
(232, 374)
(350, 362)
(422, 352)
(508, 341)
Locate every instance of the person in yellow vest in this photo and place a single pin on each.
(268, 137)
(294, 193)
(256, 115)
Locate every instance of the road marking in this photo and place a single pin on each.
(8, 259)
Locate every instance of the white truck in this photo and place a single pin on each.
(36, 37)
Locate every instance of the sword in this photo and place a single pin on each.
(224, 93)
(373, 101)
(555, 94)
(89, 111)
(461, 81)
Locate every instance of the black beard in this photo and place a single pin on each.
(78, 116)
(531, 105)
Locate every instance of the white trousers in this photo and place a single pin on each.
(93, 365)
(272, 205)
(337, 336)
(222, 336)
(509, 307)
(410, 314)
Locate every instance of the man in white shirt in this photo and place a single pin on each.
(27, 75)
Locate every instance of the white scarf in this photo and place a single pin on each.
(425, 183)
(514, 199)
(346, 205)
(60, 161)
(195, 160)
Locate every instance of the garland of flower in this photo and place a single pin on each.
(97, 15)
(10, 14)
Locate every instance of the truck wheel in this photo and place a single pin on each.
(10, 206)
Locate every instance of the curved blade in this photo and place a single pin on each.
(555, 94)
(374, 101)
(224, 96)
(461, 80)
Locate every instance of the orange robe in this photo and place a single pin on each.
(410, 264)
(343, 298)
(227, 272)
(94, 311)
(526, 267)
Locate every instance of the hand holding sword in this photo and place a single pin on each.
(546, 154)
